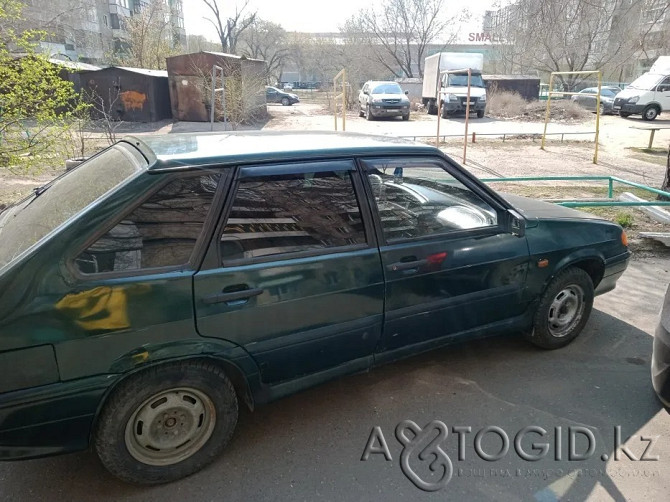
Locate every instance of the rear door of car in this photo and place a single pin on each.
(450, 264)
(293, 273)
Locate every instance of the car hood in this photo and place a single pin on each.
(537, 209)
(401, 97)
(630, 92)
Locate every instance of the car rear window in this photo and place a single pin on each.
(28, 222)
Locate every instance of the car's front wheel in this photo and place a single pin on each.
(563, 310)
(285, 101)
(650, 113)
(368, 113)
(167, 422)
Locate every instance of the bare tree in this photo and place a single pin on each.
(229, 29)
(150, 37)
(267, 41)
(398, 32)
(575, 35)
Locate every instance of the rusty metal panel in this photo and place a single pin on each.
(127, 95)
(189, 82)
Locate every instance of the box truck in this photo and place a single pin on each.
(447, 93)
(647, 95)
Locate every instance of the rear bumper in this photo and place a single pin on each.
(614, 268)
(50, 419)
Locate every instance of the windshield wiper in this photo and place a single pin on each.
(40, 190)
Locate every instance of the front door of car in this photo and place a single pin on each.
(663, 94)
(450, 265)
(293, 273)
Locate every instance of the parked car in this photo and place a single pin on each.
(587, 98)
(383, 99)
(274, 95)
(660, 360)
(152, 290)
(649, 94)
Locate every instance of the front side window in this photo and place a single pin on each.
(291, 213)
(419, 198)
(161, 232)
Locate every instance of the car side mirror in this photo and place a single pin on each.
(516, 223)
(406, 93)
(366, 92)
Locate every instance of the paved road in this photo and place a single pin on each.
(309, 446)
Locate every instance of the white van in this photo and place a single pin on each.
(647, 95)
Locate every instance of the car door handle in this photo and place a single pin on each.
(406, 265)
(233, 296)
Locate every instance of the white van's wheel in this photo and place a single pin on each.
(650, 112)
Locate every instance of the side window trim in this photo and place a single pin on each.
(292, 168)
(199, 248)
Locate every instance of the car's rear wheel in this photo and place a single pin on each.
(650, 113)
(563, 310)
(361, 111)
(285, 101)
(167, 422)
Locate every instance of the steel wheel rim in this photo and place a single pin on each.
(651, 113)
(170, 426)
(566, 311)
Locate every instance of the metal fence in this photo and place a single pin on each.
(609, 202)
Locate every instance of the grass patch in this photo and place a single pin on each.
(626, 220)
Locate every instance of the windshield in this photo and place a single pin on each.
(390, 88)
(458, 80)
(32, 219)
(646, 82)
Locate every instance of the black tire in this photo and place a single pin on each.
(432, 108)
(285, 101)
(650, 113)
(480, 114)
(405, 117)
(624, 114)
(114, 433)
(368, 113)
(361, 113)
(443, 111)
(571, 286)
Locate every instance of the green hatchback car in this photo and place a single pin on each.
(151, 291)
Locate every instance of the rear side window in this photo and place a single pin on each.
(161, 232)
(290, 213)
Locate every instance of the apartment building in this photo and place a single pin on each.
(91, 30)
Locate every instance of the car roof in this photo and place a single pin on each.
(193, 150)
